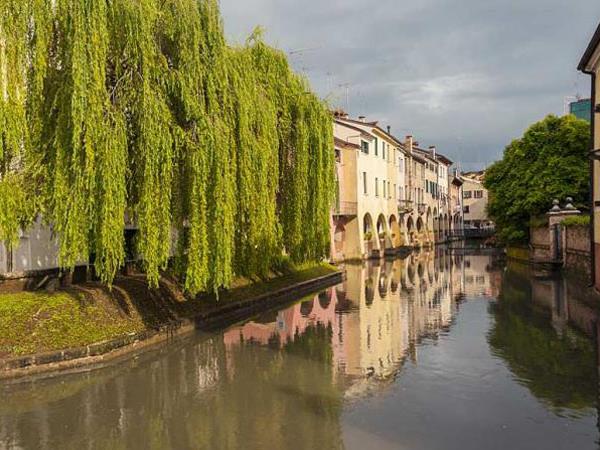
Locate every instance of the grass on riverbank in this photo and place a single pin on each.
(38, 322)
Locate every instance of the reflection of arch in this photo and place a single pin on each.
(369, 292)
(383, 285)
(419, 224)
(411, 273)
(306, 308)
(325, 299)
(420, 271)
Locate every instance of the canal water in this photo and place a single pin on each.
(448, 349)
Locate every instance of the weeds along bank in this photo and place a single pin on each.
(118, 110)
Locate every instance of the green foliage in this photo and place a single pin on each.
(577, 221)
(549, 161)
(115, 109)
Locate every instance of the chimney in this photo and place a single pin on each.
(389, 130)
(409, 143)
(433, 150)
(362, 118)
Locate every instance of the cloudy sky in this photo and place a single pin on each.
(465, 75)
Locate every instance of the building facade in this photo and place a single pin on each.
(590, 64)
(475, 200)
(391, 194)
(582, 109)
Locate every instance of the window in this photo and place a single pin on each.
(389, 190)
(478, 194)
(468, 194)
(395, 191)
(383, 149)
(365, 183)
(376, 147)
(466, 209)
(384, 189)
(376, 187)
(364, 147)
(338, 156)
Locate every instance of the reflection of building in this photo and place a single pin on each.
(590, 64)
(379, 314)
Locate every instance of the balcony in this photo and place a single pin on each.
(422, 208)
(347, 209)
(405, 206)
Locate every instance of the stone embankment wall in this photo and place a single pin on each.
(577, 252)
(575, 248)
(540, 243)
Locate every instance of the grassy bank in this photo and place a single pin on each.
(38, 322)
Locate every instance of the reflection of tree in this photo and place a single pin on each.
(203, 396)
(559, 370)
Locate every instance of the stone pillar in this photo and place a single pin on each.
(556, 232)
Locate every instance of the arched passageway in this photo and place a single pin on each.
(410, 230)
(385, 241)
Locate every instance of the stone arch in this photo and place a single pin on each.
(410, 229)
(403, 233)
(395, 232)
(370, 241)
(383, 234)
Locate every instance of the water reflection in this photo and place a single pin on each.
(542, 329)
(299, 377)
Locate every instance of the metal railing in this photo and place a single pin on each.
(405, 206)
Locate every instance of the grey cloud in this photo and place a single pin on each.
(466, 75)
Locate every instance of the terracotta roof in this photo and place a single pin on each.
(419, 158)
(344, 144)
(444, 159)
(593, 45)
(426, 154)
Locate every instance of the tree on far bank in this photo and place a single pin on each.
(550, 161)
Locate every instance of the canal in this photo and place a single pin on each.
(449, 349)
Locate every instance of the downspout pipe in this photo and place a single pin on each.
(592, 184)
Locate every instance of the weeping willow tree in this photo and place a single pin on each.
(138, 111)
